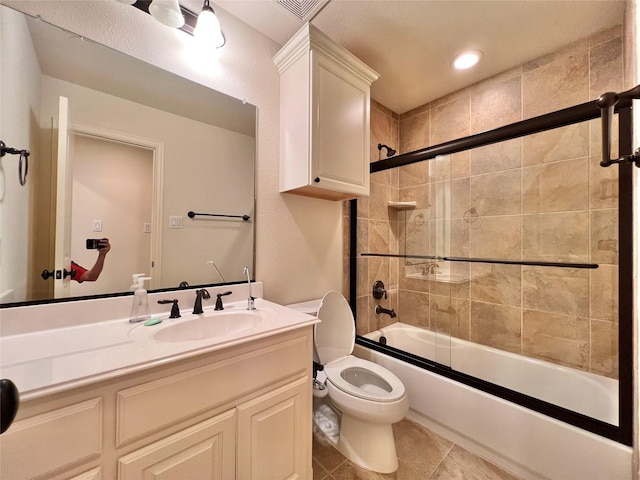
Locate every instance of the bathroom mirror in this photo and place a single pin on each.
(144, 147)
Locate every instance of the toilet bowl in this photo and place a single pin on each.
(369, 397)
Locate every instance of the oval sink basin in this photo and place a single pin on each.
(210, 326)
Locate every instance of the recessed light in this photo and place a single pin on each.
(466, 60)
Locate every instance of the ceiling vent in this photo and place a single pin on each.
(303, 10)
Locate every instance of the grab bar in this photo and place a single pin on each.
(243, 217)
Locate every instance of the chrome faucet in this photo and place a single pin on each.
(250, 300)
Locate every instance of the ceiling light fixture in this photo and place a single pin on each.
(208, 27)
(167, 12)
(466, 59)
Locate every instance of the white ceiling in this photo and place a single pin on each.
(411, 43)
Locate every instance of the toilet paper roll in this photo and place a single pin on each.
(327, 427)
(328, 412)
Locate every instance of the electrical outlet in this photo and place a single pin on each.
(175, 222)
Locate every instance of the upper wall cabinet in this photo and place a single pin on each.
(324, 118)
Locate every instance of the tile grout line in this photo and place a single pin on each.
(453, 444)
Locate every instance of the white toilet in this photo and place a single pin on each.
(369, 397)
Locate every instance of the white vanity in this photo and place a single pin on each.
(109, 399)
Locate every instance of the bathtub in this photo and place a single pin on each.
(525, 442)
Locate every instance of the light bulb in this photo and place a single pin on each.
(466, 60)
(208, 29)
(167, 12)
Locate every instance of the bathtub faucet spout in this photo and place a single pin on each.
(381, 309)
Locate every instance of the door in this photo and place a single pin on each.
(64, 189)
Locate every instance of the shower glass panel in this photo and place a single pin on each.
(514, 260)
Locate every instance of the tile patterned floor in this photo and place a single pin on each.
(422, 455)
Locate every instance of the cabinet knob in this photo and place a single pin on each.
(317, 179)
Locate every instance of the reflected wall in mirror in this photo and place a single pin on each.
(121, 150)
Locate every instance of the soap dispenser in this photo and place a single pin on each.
(140, 307)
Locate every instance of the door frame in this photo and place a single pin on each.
(157, 149)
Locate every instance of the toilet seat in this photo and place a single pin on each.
(334, 339)
(375, 382)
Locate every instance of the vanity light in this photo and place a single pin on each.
(208, 28)
(167, 12)
(466, 59)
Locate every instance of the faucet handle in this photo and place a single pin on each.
(219, 296)
(175, 309)
(379, 290)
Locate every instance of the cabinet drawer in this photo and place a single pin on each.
(53, 441)
(158, 404)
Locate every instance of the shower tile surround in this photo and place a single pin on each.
(541, 197)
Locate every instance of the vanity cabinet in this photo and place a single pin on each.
(241, 412)
(324, 118)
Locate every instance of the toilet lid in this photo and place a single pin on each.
(335, 335)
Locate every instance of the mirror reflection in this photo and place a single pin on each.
(119, 150)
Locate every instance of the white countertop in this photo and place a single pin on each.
(50, 361)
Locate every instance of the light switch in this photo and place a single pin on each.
(146, 227)
(97, 225)
(175, 222)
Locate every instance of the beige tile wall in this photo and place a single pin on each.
(543, 197)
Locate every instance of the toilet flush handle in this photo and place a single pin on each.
(378, 290)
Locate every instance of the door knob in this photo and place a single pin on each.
(46, 274)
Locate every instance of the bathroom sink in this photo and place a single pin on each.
(214, 325)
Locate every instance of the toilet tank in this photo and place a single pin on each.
(309, 307)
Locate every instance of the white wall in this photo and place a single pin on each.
(298, 239)
(20, 96)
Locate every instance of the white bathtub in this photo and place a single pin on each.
(529, 444)
(583, 392)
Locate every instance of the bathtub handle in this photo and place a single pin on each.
(379, 290)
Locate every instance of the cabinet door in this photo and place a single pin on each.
(204, 451)
(274, 434)
(340, 126)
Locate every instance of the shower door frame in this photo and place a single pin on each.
(623, 432)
